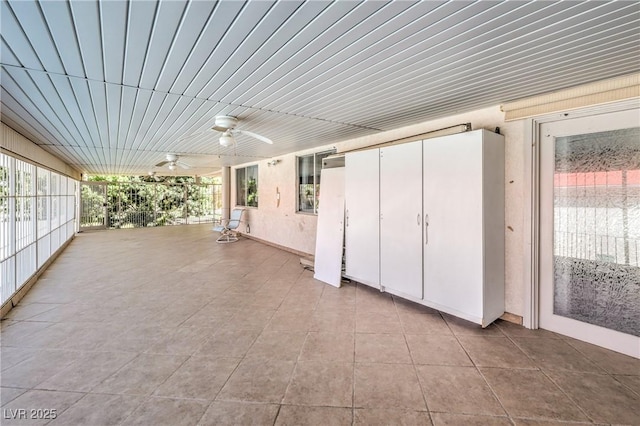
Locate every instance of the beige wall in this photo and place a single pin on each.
(280, 224)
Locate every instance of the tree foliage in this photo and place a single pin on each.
(140, 201)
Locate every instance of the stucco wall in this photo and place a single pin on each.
(280, 224)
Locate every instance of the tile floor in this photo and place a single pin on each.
(165, 327)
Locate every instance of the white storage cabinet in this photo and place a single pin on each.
(362, 216)
(441, 222)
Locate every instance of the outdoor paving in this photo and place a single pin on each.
(163, 326)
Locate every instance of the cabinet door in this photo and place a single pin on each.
(401, 219)
(453, 268)
(330, 231)
(362, 231)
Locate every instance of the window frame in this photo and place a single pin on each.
(247, 194)
(315, 185)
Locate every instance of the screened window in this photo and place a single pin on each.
(247, 186)
(309, 167)
(32, 224)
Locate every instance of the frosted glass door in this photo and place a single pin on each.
(401, 219)
(362, 226)
(590, 194)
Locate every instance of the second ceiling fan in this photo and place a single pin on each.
(227, 125)
(173, 161)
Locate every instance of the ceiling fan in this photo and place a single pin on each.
(174, 163)
(227, 125)
(153, 175)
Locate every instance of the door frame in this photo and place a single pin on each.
(104, 206)
(531, 199)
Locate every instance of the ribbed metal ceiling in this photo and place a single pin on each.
(112, 86)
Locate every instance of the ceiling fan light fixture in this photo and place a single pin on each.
(172, 166)
(226, 140)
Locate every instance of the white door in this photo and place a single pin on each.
(362, 216)
(453, 269)
(590, 229)
(401, 219)
(330, 230)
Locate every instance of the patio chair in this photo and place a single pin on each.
(228, 228)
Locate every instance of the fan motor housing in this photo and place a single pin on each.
(225, 121)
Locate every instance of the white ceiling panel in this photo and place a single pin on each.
(196, 16)
(166, 25)
(82, 98)
(22, 89)
(64, 36)
(223, 16)
(48, 91)
(64, 90)
(22, 120)
(97, 91)
(114, 31)
(254, 46)
(139, 27)
(425, 61)
(30, 16)
(7, 55)
(15, 40)
(256, 65)
(112, 86)
(282, 61)
(240, 28)
(86, 20)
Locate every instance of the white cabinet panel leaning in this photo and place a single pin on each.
(425, 221)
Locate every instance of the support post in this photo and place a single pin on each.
(226, 193)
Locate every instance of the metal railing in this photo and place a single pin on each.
(620, 250)
(145, 204)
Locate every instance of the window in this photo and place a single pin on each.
(247, 186)
(30, 230)
(309, 167)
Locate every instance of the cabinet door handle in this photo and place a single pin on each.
(426, 229)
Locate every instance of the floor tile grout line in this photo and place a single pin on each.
(582, 410)
(413, 364)
(353, 358)
(637, 392)
(533, 360)
(477, 368)
(236, 368)
(144, 400)
(275, 419)
(293, 372)
(606, 371)
(67, 408)
(544, 373)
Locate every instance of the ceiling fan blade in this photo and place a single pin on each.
(162, 163)
(255, 135)
(183, 165)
